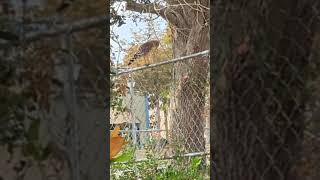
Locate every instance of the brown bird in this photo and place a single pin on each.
(144, 49)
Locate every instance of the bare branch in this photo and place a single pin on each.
(152, 8)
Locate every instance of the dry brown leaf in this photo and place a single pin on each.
(116, 142)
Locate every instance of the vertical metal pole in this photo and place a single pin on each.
(70, 98)
(158, 113)
(147, 123)
(166, 125)
(147, 111)
(134, 127)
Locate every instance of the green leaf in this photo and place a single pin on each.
(196, 162)
(125, 156)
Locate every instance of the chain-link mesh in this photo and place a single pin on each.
(264, 86)
(156, 106)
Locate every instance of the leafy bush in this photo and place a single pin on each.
(178, 168)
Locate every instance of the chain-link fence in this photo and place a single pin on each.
(155, 107)
(264, 89)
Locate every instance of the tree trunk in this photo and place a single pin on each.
(260, 75)
(190, 25)
(191, 75)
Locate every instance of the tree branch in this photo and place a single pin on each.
(60, 29)
(153, 8)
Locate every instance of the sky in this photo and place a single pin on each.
(126, 31)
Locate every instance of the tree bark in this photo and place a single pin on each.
(190, 94)
(260, 75)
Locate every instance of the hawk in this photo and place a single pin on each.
(144, 49)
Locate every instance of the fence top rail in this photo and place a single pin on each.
(169, 157)
(202, 53)
(147, 130)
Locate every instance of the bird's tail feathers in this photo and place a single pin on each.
(131, 61)
(136, 56)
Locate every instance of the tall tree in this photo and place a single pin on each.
(261, 71)
(189, 21)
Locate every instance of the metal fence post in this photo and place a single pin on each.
(71, 102)
(134, 127)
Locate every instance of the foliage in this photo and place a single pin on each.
(126, 156)
(11, 116)
(179, 168)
